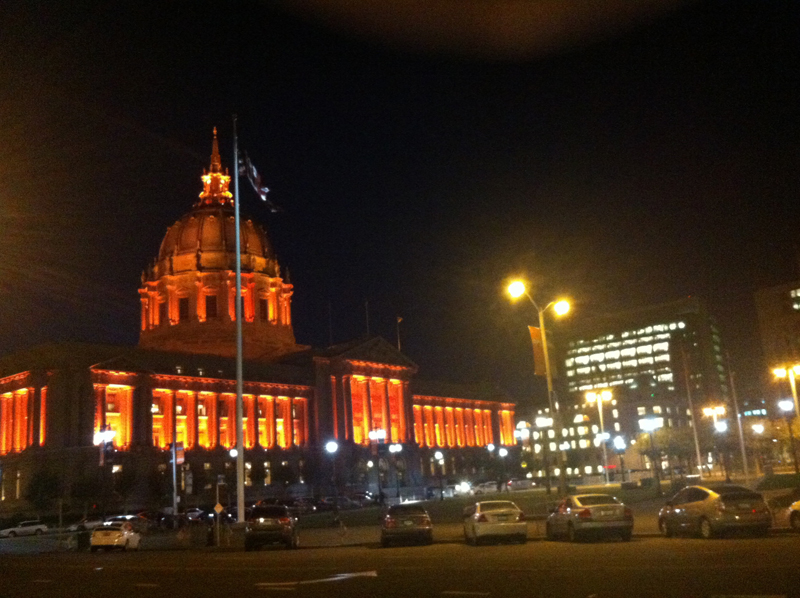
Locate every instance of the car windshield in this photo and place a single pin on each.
(596, 499)
(498, 505)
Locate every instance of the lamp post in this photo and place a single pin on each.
(516, 289)
(395, 449)
(377, 438)
(650, 425)
(790, 372)
(103, 439)
(620, 446)
(716, 412)
(439, 456)
(331, 447)
(599, 397)
(541, 423)
(787, 408)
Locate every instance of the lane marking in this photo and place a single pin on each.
(292, 584)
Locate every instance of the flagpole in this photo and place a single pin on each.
(239, 374)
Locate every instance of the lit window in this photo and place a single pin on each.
(629, 352)
(656, 408)
(641, 410)
(644, 349)
(583, 443)
(616, 427)
(552, 446)
(615, 413)
(595, 429)
(646, 361)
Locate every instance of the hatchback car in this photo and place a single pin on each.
(109, 536)
(270, 524)
(581, 515)
(406, 523)
(714, 509)
(497, 519)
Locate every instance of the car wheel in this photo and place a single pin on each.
(626, 535)
(572, 534)
(38, 532)
(665, 528)
(12, 534)
(706, 531)
(794, 521)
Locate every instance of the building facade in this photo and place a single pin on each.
(179, 386)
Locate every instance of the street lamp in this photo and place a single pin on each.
(331, 447)
(620, 446)
(720, 426)
(599, 397)
(650, 425)
(787, 408)
(103, 439)
(395, 449)
(439, 456)
(517, 289)
(790, 372)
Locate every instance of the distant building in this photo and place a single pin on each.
(651, 359)
(179, 385)
(778, 310)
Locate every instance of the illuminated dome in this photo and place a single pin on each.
(188, 292)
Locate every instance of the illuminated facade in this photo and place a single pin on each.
(179, 384)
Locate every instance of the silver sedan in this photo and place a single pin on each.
(498, 519)
(581, 515)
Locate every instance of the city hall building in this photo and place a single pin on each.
(179, 385)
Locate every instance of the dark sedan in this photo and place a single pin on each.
(271, 524)
(406, 523)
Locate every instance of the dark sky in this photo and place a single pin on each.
(645, 165)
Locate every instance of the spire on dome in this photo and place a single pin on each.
(215, 183)
(216, 163)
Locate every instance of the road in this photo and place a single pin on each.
(644, 567)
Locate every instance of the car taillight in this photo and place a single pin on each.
(285, 520)
(390, 522)
(521, 517)
(585, 514)
(628, 513)
(481, 518)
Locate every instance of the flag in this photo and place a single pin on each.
(538, 354)
(246, 168)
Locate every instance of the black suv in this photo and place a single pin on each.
(270, 524)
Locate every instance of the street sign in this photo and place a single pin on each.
(179, 456)
(218, 508)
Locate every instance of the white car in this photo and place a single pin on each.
(25, 528)
(485, 488)
(520, 484)
(115, 535)
(87, 523)
(497, 519)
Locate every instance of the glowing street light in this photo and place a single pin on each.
(650, 425)
(516, 290)
(503, 452)
(790, 372)
(599, 398)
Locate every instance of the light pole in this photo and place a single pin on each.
(516, 289)
(787, 408)
(599, 397)
(790, 372)
(103, 439)
(720, 426)
(542, 423)
(650, 425)
(395, 449)
(620, 445)
(439, 456)
(331, 447)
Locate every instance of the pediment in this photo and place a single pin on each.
(379, 351)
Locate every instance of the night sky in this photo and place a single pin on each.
(641, 165)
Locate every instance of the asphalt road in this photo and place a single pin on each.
(646, 566)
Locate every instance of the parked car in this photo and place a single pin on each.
(298, 506)
(87, 523)
(404, 523)
(364, 499)
(581, 515)
(270, 524)
(195, 515)
(520, 484)
(25, 528)
(496, 519)
(794, 516)
(139, 523)
(485, 488)
(713, 509)
(120, 535)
